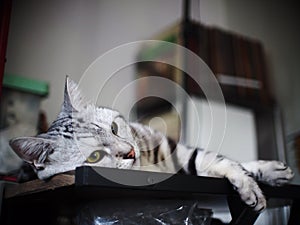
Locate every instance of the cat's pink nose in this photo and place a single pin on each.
(131, 154)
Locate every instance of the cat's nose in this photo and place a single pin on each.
(130, 155)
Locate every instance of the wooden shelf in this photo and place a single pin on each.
(36, 186)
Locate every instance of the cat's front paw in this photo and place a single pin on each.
(250, 192)
(275, 173)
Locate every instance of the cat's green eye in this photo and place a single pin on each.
(114, 128)
(95, 156)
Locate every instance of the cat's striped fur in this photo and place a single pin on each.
(84, 134)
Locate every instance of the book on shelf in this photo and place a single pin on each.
(237, 62)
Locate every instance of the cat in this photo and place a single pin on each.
(84, 134)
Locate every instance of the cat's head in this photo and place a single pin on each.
(82, 134)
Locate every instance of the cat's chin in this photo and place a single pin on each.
(50, 171)
(125, 164)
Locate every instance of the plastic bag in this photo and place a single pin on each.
(150, 213)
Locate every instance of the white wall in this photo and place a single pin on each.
(238, 142)
(51, 39)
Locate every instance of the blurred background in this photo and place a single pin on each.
(47, 40)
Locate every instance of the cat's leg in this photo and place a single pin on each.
(210, 164)
(273, 173)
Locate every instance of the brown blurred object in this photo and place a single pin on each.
(42, 123)
(239, 64)
(237, 61)
(5, 11)
(297, 151)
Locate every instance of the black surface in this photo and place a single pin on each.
(100, 177)
(61, 206)
(153, 181)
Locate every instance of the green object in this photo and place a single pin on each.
(158, 50)
(19, 83)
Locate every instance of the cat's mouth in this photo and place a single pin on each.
(130, 155)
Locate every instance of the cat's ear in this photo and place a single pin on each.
(73, 99)
(33, 150)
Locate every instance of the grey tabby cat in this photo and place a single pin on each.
(84, 134)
